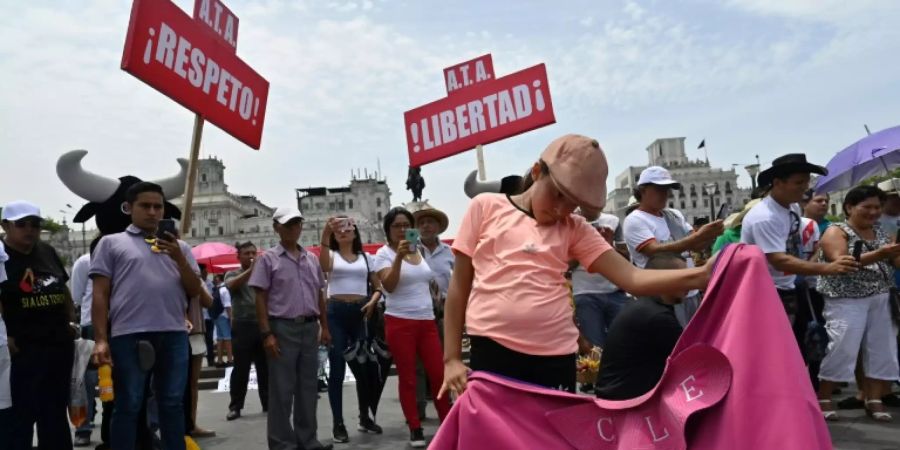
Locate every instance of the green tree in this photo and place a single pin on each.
(51, 225)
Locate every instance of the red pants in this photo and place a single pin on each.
(406, 339)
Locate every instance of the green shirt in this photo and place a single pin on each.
(730, 236)
(243, 300)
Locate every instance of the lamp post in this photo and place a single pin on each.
(710, 191)
(752, 170)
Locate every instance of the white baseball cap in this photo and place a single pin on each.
(20, 209)
(286, 214)
(658, 176)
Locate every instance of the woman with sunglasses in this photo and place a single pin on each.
(37, 308)
(350, 273)
(857, 312)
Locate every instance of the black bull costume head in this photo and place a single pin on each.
(106, 196)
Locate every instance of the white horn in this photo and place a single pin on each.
(173, 187)
(474, 187)
(87, 185)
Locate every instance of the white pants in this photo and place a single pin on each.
(860, 324)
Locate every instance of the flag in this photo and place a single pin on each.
(702, 144)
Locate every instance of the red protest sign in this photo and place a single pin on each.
(220, 20)
(168, 50)
(481, 114)
(468, 73)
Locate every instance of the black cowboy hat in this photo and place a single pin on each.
(786, 165)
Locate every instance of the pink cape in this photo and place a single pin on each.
(736, 371)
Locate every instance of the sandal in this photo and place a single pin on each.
(830, 415)
(878, 416)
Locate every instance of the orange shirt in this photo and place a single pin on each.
(519, 296)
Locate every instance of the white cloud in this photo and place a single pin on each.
(587, 21)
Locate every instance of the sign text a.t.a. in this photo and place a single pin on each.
(469, 73)
(220, 20)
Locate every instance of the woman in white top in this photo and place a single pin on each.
(409, 318)
(349, 270)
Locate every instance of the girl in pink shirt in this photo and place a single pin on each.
(511, 252)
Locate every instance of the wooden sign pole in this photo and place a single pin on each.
(192, 176)
(479, 152)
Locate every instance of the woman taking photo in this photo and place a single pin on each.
(857, 312)
(349, 271)
(409, 318)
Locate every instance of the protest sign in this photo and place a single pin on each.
(220, 20)
(168, 50)
(483, 112)
(469, 73)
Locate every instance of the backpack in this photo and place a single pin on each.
(217, 307)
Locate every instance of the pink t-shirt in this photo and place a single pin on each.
(519, 296)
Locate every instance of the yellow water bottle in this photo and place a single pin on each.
(105, 384)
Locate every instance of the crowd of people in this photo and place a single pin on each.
(533, 279)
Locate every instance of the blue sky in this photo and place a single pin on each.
(763, 77)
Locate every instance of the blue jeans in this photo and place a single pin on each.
(91, 378)
(345, 324)
(170, 373)
(594, 314)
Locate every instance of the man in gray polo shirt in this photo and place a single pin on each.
(289, 287)
(142, 283)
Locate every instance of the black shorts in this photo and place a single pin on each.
(554, 372)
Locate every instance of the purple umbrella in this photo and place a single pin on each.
(866, 157)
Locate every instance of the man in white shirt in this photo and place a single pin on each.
(652, 228)
(774, 225)
(598, 300)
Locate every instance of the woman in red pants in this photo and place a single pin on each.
(409, 318)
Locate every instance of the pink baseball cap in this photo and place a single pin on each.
(578, 169)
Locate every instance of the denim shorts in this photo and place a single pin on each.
(223, 328)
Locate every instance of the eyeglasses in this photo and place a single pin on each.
(400, 226)
(23, 223)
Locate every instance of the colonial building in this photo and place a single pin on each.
(221, 216)
(367, 199)
(702, 185)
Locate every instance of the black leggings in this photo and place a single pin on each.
(554, 372)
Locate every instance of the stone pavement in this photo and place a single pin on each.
(854, 432)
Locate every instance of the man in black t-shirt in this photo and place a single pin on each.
(640, 340)
(37, 308)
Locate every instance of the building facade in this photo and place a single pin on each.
(704, 188)
(367, 199)
(218, 215)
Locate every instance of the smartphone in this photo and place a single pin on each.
(166, 225)
(412, 236)
(724, 211)
(857, 250)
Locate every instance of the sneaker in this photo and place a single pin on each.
(82, 440)
(417, 438)
(323, 386)
(368, 425)
(339, 433)
(587, 388)
(233, 414)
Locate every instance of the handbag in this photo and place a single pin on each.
(815, 340)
